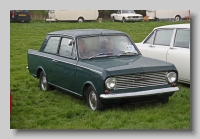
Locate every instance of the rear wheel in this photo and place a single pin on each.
(92, 99)
(123, 20)
(177, 18)
(80, 19)
(113, 19)
(44, 86)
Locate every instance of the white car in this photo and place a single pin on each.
(126, 15)
(170, 43)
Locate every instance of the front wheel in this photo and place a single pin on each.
(44, 86)
(164, 100)
(123, 20)
(92, 99)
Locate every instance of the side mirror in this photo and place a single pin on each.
(71, 42)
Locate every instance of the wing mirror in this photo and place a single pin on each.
(71, 42)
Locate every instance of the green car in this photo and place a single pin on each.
(102, 66)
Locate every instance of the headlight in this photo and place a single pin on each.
(110, 83)
(171, 77)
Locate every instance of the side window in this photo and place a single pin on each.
(182, 38)
(163, 37)
(149, 39)
(65, 48)
(119, 12)
(52, 45)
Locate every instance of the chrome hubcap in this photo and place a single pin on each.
(44, 83)
(93, 100)
(81, 20)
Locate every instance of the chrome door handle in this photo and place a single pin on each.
(54, 60)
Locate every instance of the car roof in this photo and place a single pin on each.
(82, 32)
(187, 25)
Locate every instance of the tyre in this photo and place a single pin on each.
(113, 19)
(164, 100)
(177, 18)
(44, 86)
(123, 20)
(92, 99)
(80, 19)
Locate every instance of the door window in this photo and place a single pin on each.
(182, 38)
(67, 48)
(163, 37)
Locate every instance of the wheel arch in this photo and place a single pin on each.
(177, 15)
(81, 17)
(39, 70)
(85, 87)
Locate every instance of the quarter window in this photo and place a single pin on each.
(163, 37)
(52, 45)
(149, 39)
(182, 38)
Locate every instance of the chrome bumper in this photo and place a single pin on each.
(134, 19)
(140, 93)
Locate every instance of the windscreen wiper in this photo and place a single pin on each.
(127, 53)
(100, 54)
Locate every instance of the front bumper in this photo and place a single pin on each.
(140, 93)
(134, 19)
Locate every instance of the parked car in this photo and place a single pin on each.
(170, 43)
(126, 15)
(20, 16)
(103, 66)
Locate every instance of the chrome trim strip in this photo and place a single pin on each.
(140, 93)
(67, 63)
(65, 89)
(53, 59)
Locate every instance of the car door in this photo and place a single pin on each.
(179, 54)
(65, 65)
(160, 44)
(50, 54)
(118, 15)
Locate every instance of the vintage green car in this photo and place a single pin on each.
(102, 66)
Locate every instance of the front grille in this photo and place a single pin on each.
(136, 17)
(140, 80)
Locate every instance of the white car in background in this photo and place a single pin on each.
(170, 43)
(126, 15)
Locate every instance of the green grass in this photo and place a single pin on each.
(35, 109)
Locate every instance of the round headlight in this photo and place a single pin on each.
(110, 83)
(171, 77)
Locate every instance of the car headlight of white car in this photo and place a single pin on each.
(171, 77)
(110, 83)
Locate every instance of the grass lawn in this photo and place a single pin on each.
(35, 109)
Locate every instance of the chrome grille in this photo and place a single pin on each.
(140, 80)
